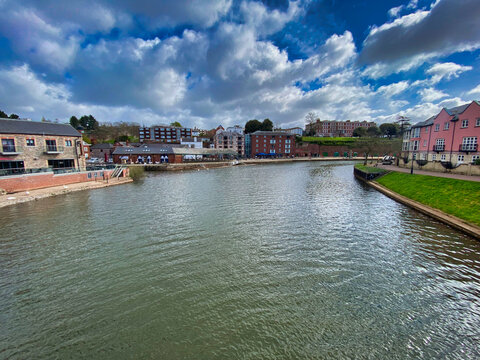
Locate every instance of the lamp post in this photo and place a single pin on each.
(411, 169)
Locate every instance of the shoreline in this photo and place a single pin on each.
(38, 194)
(451, 220)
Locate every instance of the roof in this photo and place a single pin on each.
(457, 110)
(427, 122)
(102, 146)
(144, 149)
(10, 126)
(150, 149)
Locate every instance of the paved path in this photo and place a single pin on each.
(430, 173)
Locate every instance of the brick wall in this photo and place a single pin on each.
(37, 181)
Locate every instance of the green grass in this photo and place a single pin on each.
(460, 198)
(370, 169)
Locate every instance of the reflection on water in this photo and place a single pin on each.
(274, 261)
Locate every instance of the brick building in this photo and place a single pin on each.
(450, 136)
(333, 128)
(272, 143)
(164, 134)
(230, 140)
(29, 146)
(103, 152)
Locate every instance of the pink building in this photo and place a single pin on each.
(451, 136)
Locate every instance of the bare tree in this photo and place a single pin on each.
(311, 117)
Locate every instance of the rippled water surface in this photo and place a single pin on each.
(294, 261)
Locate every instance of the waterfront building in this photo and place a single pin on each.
(333, 128)
(193, 142)
(30, 146)
(103, 151)
(167, 153)
(163, 134)
(236, 129)
(298, 131)
(450, 136)
(86, 150)
(230, 140)
(272, 143)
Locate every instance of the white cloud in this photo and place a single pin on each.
(446, 70)
(395, 11)
(410, 40)
(393, 89)
(474, 91)
(431, 94)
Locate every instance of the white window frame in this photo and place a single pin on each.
(437, 127)
(446, 126)
(461, 158)
(464, 123)
(443, 157)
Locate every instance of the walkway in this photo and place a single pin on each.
(430, 173)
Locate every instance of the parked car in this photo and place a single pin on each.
(388, 160)
(93, 160)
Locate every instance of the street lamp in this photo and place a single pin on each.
(413, 157)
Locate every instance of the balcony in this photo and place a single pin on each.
(468, 148)
(53, 149)
(11, 150)
(438, 148)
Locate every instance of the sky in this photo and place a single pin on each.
(209, 62)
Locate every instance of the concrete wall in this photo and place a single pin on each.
(464, 169)
(37, 181)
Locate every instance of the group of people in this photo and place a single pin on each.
(148, 159)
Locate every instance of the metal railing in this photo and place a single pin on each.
(23, 171)
(468, 147)
(49, 149)
(438, 148)
(11, 149)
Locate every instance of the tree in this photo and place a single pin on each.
(388, 130)
(3, 115)
(74, 122)
(373, 131)
(267, 125)
(404, 122)
(311, 117)
(359, 132)
(88, 122)
(176, 124)
(252, 125)
(14, 116)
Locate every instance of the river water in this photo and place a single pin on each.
(292, 261)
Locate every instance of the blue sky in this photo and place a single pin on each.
(211, 62)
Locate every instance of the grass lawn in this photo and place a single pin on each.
(370, 169)
(460, 198)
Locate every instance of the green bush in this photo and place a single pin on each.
(476, 162)
(136, 172)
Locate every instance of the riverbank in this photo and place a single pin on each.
(32, 195)
(452, 201)
(219, 164)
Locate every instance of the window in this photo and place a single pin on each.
(414, 156)
(469, 144)
(416, 132)
(443, 157)
(30, 142)
(415, 145)
(461, 158)
(68, 142)
(478, 122)
(426, 129)
(424, 143)
(8, 145)
(434, 157)
(51, 145)
(422, 156)
(446, 126)
(439, 145)
(61, 164)
(437, 127)
(464, 123)
(475, 158)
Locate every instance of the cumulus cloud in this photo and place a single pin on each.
(446, 71)
(431, 94)
(474, 91)
(424, 34)
(393, 89)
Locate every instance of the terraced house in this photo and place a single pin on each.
(449, 137)
(29, 146)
